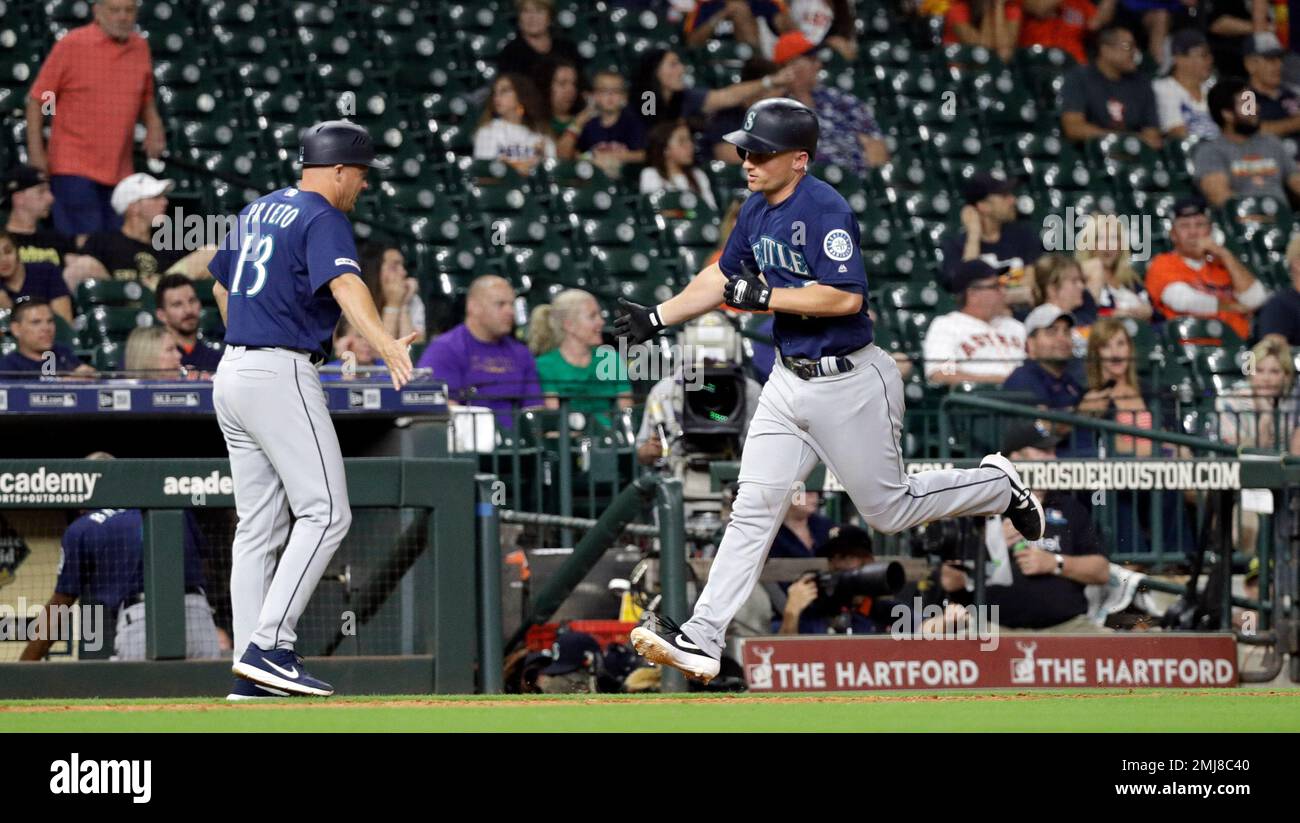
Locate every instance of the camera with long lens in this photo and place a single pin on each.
(947, 540)
(837, 590)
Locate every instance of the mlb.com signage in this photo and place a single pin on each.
(853, 663)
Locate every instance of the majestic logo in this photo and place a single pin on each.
(749, 121)
(760, 674)
(1022, 668)
(838, 245)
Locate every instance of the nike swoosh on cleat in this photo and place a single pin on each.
(686, 644)
(292, 674)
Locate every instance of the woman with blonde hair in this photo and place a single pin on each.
(1058, 280)
(153, 351)
(565, 337)
(1108, 270)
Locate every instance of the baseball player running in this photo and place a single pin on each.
(832, 397)
(281, 286)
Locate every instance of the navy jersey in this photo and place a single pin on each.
(810, 237)
(291, 244)
(103, 557)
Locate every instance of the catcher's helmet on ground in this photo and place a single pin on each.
(774, 125)
(338, 142)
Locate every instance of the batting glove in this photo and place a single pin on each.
(638, 324)
(747, 292)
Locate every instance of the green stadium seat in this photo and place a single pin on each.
(108, 356)
(1190, 333)
(113, 322)
(117, 293)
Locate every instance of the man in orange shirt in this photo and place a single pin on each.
(1063, 24)
(96, 83)
(1201, 278)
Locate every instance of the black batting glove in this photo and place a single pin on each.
(638, 324)
(747, 292)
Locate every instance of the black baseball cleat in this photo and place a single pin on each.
(668, 646)
(1025, 512)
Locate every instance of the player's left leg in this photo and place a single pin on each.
(856, 420)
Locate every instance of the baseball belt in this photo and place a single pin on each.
(806, 369)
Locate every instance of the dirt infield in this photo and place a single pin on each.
(45, 707)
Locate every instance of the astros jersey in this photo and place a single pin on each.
(291, 244)
(810, 237)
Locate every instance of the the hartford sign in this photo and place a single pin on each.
(860, 663)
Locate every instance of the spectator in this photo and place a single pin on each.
(1181, 97)
(564, 85)
(395, 292)
(671, 165)
(1230, 23)
(739, 18)
(32, 326)
(480, 360)
(607, 129)
(533, 44)
(712, 130)
(1279, 106)
(1199, 277)
(514, 126)
(850, 136)
(849, 549)
(979, 342)
(565, 338)
(662, 96)
(826, 23)
(1113, 389)
(993, 24)
(1058, 281)
(1064, 24)
(1242, 162)
(25, 191)
(42, 281)
(351, 350)
(100, 77)
(804, 530)
(131, 254)
(1108, 271)
(991, 233)
(179, 310)
(1109, 95)
(1048, 374)
(1047, 580)
(154, 352)
(1280, 315)
(102, 562)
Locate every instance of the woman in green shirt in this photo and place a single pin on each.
(565, 337)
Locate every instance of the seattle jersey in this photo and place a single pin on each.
(289, 246)
(810, 237)
(103, 557)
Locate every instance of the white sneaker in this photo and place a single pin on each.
(1025, 512)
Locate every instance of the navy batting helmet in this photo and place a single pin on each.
(338, 142)
(774, 125)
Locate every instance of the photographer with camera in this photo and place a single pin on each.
(1039, 585)
(854, 597)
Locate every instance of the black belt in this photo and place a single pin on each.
(139, 598)
(806, 369)
(316, 357)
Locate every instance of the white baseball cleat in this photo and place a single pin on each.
(1025, 512)
(666, 645)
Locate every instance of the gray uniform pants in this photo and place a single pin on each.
(284, 457)
(200, 631)
(852, 422)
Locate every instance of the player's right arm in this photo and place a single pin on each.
(353, 296)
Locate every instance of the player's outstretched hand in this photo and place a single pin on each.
(747, 292)
(397, 357)
(638, 324)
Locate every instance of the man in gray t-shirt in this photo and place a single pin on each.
(1110, 95)
(1243, 162)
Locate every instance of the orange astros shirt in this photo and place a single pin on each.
(1213, 278)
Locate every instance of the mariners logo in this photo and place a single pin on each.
(749, 121)
(838, 245)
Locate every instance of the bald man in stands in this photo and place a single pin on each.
(480, 360)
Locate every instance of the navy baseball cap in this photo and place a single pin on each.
(1262, 44)
(982, 184)
(1023, 434)
(971, 271)
(846, 540)
(1190, 206)
(20, 178)
(1184, 40)
(570, 652)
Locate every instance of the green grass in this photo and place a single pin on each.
(1096, 710)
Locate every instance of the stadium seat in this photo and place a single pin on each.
(113, 323)
(1188, 333)
(117, 293)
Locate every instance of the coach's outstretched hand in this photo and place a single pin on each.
(396, 355)
(638, 324)
(747, 292)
